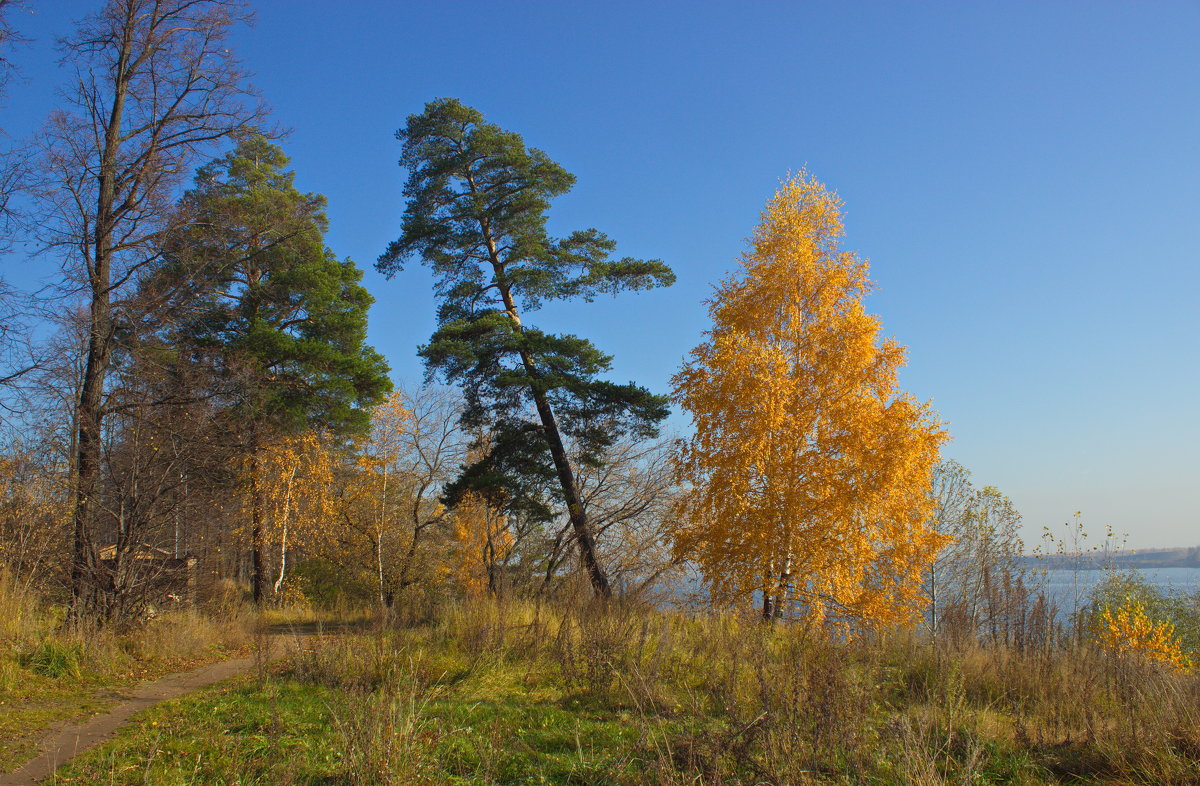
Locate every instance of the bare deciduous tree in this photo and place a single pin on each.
(628, 495)
(976, 584)
(431, 447)
(12, 177)
(8, 36)
(154, 87)
(953, 495)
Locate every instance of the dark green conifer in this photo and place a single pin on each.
(476, 214)
(279, 316)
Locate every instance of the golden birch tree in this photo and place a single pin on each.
(373, 497)
(391, 420)
(295, 476)
(809, 471)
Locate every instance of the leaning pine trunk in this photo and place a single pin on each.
(558, 452)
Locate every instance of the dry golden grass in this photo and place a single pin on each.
(51, 672)
(491, 691)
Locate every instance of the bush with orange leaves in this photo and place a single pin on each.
(1129, 629)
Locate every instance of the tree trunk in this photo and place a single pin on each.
(383, 601)
(383, 604)
(933, 598)
(87, 460)
(562, 464)
(489, 553)
(89, 410)
(283, 541)
(259, 579)
(410, 555)
(785, 577)
(766, 591)
(566, 478)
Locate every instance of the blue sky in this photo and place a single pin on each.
(1025, 178)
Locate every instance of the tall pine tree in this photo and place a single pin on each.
(279, 317)
(476, 214)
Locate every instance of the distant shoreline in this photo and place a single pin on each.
(1185, 557)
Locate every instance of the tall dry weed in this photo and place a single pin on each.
(22, 616)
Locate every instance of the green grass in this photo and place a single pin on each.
(508, 725)
(502, 725)
(33, 703)
(510, 694)
(230, 734)
(50, 676)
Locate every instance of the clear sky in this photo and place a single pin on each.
(1025, 178)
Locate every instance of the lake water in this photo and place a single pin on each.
(1066, 586)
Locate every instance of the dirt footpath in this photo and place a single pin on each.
(64, 744)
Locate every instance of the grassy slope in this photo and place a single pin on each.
(480, 729)
(34, 703)
(510, 695)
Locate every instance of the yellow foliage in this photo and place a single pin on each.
(1130, 629)
(481, 541)
(33, 509)
(302, 467)
(391, 421)
(810, 471)
(367, 491)
(290, 483)
(385, 499)
(295, 477)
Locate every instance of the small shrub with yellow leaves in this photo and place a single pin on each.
(1129, 629)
